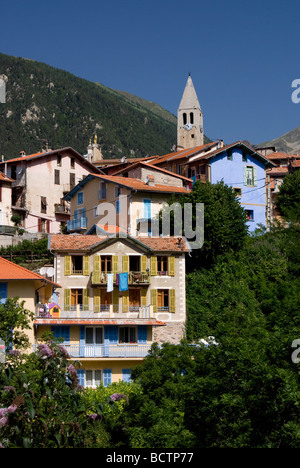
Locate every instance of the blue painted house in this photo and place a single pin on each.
(243, 169)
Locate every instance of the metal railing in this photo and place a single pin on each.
(122, 350)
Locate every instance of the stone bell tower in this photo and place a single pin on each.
(189, 119)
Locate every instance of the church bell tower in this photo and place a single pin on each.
(189, 119)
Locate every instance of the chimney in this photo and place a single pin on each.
(22, 154)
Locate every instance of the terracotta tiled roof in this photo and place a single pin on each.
(151, 166)
(63, 242)
(280, 155)
(136, 184)
(5, 178)
(12, 271)
(185, 153)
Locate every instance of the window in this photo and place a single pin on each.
(92, 378)
(250, 215)
(80, 198)
(184, 118)
(117, 191)
(72, 181)
(237, 191)
(244, 156)
(134, 263)
(77, 265)
(162, 300)
(117, 206)
(94, 335)
(250, 175)
(102, 191)
(229, 155)
(106, 263)
(72, 163)
(126, 375)
(127, 335)
(191, 118)
(56, 177)
(43, 205)
(76, 298)
(58, 160)
(162, 265)
(61, 331)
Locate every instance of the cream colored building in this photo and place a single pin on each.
(5, 203)
(131, 200)
(40, 182)
(107, 323)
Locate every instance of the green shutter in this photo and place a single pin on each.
(245, 175)
(67, 294)
(153, 266)
(97, 300)
(154, 299)
(125, 264)
(97, 269)
(143, 297)
(143, 263)
(172, 266)
(172, 301)
(125, 301)
(115, 266)
(67, 265)
(86, 299)
(255, 176)
(86, 266)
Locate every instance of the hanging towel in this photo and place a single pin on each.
(110, 282)
(117, 279)
(123, 281)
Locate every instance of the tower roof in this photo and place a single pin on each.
(189, 98)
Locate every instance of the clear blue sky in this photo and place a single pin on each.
(242, 54)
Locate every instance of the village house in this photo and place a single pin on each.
(6, 224)
(35, 290)
(39, 183)
(118, 296)
(134, 198)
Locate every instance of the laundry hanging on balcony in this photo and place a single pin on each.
(110, 282)
(123, 281)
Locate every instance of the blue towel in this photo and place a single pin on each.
(110, 282)
(123, 281)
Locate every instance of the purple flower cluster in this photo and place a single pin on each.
(4, 412)
(45, 350)
(72, 372)
(118, 397)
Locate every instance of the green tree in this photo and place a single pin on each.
(288, 200)
(14, 320)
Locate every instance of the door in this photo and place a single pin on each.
(134, 300)
(94, 341)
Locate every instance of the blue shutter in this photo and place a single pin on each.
(3, 293)
(126, 375)
(81, 377)
(61, 331)
(82, 341)
(106, 377)
(147, 208)
(142, 334)
(111, 334)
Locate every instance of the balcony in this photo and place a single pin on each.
(77, 224)
(61, 209)
(134, 277)
(84, 313)
(106, 350)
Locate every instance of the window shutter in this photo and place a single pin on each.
(172, 301)
(81, 340)
(172, 266)
(153, 266)
(154, 299)
(67, 294)
(255, 176)
(86, 266)
(81, 377)
(111, 334)
(125, 264)
(125, 301)
(86, 299)
(142, 334)
(245, 175)
(116, 300)
(126, 375)
(97, 300)
(67, 265)
(97, 269)
(115, 266)
(106, 377)
(143, 263)
(143, 297)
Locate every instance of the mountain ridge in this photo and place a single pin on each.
(287, 143)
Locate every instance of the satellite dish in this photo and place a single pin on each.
(43, 271)
(50, 272)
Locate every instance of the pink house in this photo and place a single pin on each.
(40, 181)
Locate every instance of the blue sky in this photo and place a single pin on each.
(242, 55)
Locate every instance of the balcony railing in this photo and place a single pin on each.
(134, 277)
(122, 350)
(83, 312)
(77, 224)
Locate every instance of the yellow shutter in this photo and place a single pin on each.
(143, 263)
(125, 264)
(153, 266)
(143, 297)
(172, 266)
(86, 265)
(97, 269)
(172, 301)
(116, 300)
(67, 265)
(154, 299)
(115, 265)
(86, 299)
(67, 294)
(97, 300)
(125, 301)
